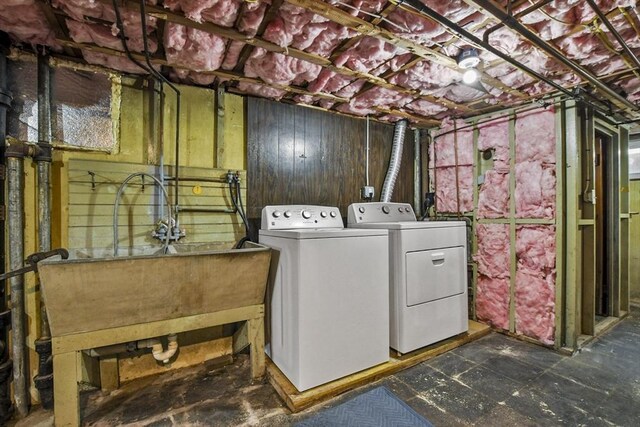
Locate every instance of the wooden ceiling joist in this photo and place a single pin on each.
(370, 29)
(269, 16)
(230, 33)
(234, 76)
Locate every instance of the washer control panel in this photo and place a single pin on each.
(287, 217)
(360, 213)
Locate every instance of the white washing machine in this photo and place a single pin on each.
(427, 273)
(328, 297)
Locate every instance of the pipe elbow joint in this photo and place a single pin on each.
(43, 152)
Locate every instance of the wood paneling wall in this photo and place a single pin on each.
(298, 155)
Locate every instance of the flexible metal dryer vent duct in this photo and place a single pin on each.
(394, 162)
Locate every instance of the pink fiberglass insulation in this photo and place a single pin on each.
(25, 21)
(535, 190)
(427, 77)
(368, 54)
(492, 301)
(194, 49)
(492, 290)
(535, 282)
(425, 108)
(493, 255)
(494, 136)
(277, 68)
(447, 192)
(221, 12)
(536, 136)
(412, 27)
(261, 90)
(381, 97)
(493, 196)
(443, 147)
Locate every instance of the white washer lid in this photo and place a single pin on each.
(322, 233)
(409, 225)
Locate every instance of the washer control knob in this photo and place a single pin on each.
(400, 210)
(323, 214)
(287, 214)
(407, 210)
(276, 214)
(306, 214)
(361, 209)
(333, 214)
(386, 209)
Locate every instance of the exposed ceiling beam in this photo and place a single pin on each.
(269, 16)
(234, 76)
(488, 6)
(59, 27)
(369, 29)
(230, 33)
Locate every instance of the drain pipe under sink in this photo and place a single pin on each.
(159, 353)
(157, 350)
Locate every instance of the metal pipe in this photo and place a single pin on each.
(367, 149)
(5, 360)
(464, 34)
(530, 9)
(417, 173)
(160, 77)
(394, 162)
(512, 23)
(44, 379)
(208, 210)
(117, 205)
(615, 32)
(15, 224)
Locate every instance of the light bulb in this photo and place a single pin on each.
(470, 76)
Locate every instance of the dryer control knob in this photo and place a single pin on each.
(333, 214)
(361, 209)
(386, 209)
(323, 214)
(306, 214)
(400, 210)
(276, 214)
(407, 210)
(287, 214)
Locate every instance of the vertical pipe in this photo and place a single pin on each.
(394, 162)
(366, 165)
(417, 173)
(44, 379)
(5, 360)
(15, 224)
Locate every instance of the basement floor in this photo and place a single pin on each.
(495, 381)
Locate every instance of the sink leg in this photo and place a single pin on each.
(65, 389)
(109, 373)
(256, 339)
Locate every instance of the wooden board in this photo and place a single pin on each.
(297, 401)
(95, 294)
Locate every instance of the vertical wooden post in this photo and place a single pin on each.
(65, 390)
(512, 223)
(256, 338)
(220, 127)
(109, 373)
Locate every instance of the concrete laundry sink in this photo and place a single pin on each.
(97, 302)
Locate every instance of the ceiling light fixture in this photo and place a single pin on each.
(468, 58)
(470, 76)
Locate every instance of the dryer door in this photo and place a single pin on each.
(435, 274)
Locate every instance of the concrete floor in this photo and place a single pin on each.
(495, 381)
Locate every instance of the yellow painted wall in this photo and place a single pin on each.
(134, 130)
(634, 238)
